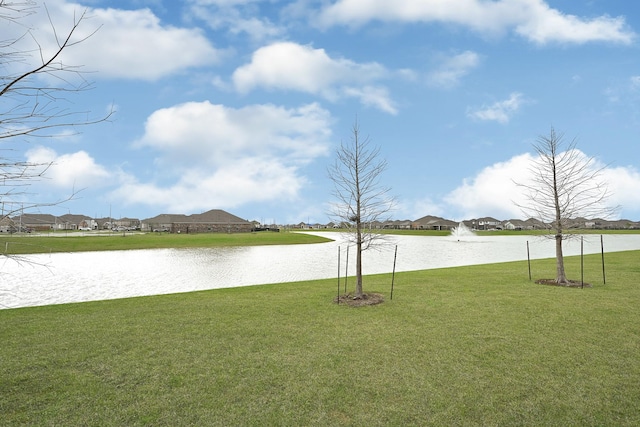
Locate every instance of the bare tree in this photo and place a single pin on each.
(34, 86)
(361, 199)
(565, 185)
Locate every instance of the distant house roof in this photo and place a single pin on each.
(430, 221)
(214, 216)
(35, 219)
(6, 221)
(73, 219)
(166, 218)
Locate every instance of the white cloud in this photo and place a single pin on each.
(237, 17)
(291, 66)
(534, 20)
(212, 155)
(453, 68)
(75, 170)
(414, 209)
(545, 25)
(623, 184)
(205, 133)
(238, 182)
(127, 44)
(494, 192)
(635, 82)
(500, 111)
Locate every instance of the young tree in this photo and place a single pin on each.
(361, 199)
(34, 84)
(565, 185)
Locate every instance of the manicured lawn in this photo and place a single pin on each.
(474, 345)
(75, 242)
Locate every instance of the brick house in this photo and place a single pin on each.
(213, 221)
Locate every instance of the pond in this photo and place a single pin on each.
(88, 276)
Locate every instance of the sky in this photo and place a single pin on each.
(240, 105)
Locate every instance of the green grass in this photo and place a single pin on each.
(495, 232)
(476, 345)
(75, 242)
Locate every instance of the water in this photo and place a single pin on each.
(88, 276)
(462, 232)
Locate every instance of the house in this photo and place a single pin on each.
(7, 225)
(430, 222)
(71, 221)
(516, 224)
(486, 223)
(213, 221)
(397, 225)
(38, 222)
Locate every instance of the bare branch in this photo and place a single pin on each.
(565, 185)
(361, 200)
(29, 107)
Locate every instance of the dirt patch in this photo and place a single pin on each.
(570, 284)
(367, 299)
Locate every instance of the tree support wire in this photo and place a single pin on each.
(338, 274)
(393, 274)
(582, 262)
(604, 277)
(346, 271)
(529, 260)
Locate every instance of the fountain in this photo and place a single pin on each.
(462, 232)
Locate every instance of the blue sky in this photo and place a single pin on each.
(240, 104)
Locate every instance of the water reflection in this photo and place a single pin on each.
(86, 276)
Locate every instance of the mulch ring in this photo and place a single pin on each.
(367, 299)
(570, 284)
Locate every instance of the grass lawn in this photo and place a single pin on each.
(77, 241)
(476, 345)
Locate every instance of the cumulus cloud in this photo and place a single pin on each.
(494, 192)
(202, 132)
(132, 44)
(73, 170)
(237, 17)
(414, 209)
(534, 20)
(623, 183)
(453, 68)
(291, 66)
(545, 25)
(213, 155)
(229, 186)
(500, 111)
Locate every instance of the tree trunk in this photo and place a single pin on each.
(358, 293)
(560, 274)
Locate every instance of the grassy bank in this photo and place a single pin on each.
(76, 242)
(476, 345)
(507, 232)
(80, 241)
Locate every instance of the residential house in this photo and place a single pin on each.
(38, 222)
(397, 225)
(213, 221)
(516, 224)
(71, 221)
(486, 223)
(7, 225)
(430, 222)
